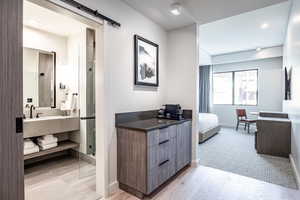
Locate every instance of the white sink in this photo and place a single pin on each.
(50, 125)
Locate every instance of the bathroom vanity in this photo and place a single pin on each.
(151, 150)
(51, 124)
(43, 101)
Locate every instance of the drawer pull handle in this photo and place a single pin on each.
(162, 163)
(163, 142)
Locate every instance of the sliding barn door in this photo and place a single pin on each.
(11, 92)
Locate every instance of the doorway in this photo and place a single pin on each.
(241, 76)
(68, 168)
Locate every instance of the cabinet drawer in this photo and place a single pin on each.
(158, 136)
(160, 174)
(163, 135)
(165, 150)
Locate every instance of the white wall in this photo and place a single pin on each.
(269, 88)
(118, 53)
(45, 41)
(271, 52)
(292, 59)
(204, 58)
(183, 76)
(36, 39)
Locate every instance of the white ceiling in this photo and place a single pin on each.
(200, 11)
(47, 20)
(206, 11)
(159, 12)
(244, 32)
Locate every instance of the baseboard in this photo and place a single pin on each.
(113, 187)
(226, 125)
(241, 127)
(195, 163)
(296, 172)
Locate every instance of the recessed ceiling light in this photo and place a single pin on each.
(258, 49)
(265, 26)
(176, 9)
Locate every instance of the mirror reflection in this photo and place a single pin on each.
(39, 77)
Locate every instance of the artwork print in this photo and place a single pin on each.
(288, 78)
(146, 62)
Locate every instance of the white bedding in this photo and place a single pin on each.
(207, 121)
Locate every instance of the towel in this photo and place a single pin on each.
(74, 103)
(43, 142)
(47, 137)
(35, 149)
(28, 144)
(49, 146)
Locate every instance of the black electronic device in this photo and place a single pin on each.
(171, 111)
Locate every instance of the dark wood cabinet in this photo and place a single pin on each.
(273, 136)
(147, 159)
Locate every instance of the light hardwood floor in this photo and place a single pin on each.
(68, 179)
(61, 179)
(203, 183)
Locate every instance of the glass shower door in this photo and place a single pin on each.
(87, 157)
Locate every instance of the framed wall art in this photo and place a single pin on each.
(146, 57)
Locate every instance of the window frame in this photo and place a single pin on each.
(213, 88)
(233, 86)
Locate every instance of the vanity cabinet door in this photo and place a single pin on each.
(184, 133)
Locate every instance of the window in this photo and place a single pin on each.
(239, 87)
(245, 87)
(222, 86)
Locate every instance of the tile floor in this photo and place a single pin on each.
(61, 179)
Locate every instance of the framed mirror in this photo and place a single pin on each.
(39, 78)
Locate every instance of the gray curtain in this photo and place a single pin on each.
(204, 93)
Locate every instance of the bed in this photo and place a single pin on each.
(208, 126)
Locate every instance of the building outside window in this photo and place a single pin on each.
(236, 88)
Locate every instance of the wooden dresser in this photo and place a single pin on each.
(150, 152)
(273, 136)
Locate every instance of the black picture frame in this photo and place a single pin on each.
(54, 80)
(138, 38)
(287, 78)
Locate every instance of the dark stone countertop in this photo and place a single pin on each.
(150, 124)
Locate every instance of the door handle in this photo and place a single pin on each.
(19, 125)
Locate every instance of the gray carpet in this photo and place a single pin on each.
(234, 152)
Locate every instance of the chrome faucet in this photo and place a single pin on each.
(31, 110)
(31, 107)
